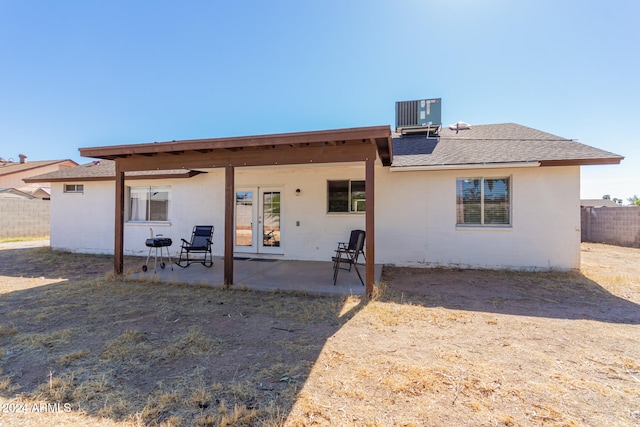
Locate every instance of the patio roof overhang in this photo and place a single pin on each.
(364, 144)
(326, 146)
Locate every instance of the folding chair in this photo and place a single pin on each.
(201, 241)
(348, 253)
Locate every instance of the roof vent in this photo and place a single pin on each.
(421, 116)
(458, 126)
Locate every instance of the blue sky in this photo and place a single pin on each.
(89, 73)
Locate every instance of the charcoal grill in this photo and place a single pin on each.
(156, 243)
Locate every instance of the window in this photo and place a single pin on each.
(345, 196)
(73, 188)
(149, 203)
(483, 201)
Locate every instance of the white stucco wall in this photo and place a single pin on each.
(83, 222)
(316, 236)
(416, 223)
(415, 216)
(86, 222)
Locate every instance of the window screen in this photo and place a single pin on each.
(483, 201)
(149, 203)
(346, 196)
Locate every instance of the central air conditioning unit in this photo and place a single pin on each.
(421, 116)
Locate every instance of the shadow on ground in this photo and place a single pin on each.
(557, 295)
(151, 352)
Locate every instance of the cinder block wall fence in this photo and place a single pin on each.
(24, 218)
(616, 226)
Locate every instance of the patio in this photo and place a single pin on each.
(264, 274)
(364, 145)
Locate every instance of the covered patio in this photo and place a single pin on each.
(364, 145)
(264, 274)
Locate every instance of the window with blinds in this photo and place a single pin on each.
(346, 196)
(483, 201)
(149, 203)
(74, 188)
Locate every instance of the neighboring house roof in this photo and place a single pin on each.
(105, 170)
(13, 193)
(598, 203)
(13, 167)
(495, 144)
(40, 192)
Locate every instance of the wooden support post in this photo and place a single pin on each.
(229, 199)
(118, 247)
(370, 224)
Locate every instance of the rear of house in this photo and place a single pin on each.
(492, 196)
(418, 219)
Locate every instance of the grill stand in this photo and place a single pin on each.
(158, 242)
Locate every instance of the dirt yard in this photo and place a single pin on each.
(432, 348)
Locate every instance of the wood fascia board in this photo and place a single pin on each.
(350, 134)
(186, 174)
(298, 156)
(385, 149)
(582, 162)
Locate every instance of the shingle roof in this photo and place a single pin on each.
(480, 145)
(105, 170)
(598, 203)
(9, 168)
(496, 143)
(16, 192)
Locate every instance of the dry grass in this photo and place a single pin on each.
(75, 355)
(430, 348)
(6, 330)
(23, 239)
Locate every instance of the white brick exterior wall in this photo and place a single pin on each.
(415, 216)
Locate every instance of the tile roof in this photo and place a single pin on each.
(496, 143)
(104, 170)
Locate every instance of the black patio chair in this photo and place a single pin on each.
(348, 253)
(201, 241)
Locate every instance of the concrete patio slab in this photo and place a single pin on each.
(264, 274)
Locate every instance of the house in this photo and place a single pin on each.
(486, 196)
(599, 203)
(12, 193)
(12, 174)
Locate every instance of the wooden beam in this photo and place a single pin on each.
(223, 158)
(369, 189)
(118, 247)
(581, 162)
(152, 175)
(245, 141)
(229, 199)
